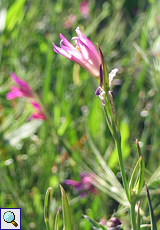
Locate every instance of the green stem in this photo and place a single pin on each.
(118, 145)
(133, 216)
(116, 135)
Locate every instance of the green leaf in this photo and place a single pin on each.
(66, 210)
(61, 130)
(94, 224)
(46, 207)
(15, 14)
(142, 168)
(153, 222)
(56, 227)
(131, 187)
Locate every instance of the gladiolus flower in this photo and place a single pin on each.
(85, 185)
(85, 53)
(23, 90)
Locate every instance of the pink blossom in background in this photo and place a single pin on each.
(38, 114)
(69, 21)
(23, 90)
(84, 9)
(85, 53)
(84, 185)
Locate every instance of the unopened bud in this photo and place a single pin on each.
(114, 224)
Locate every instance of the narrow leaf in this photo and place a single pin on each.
(94, 224)
(66, 210)
(56, 227)
(133, 176)
(46, 207)
(142, 168)
(15, 14)
(153, 222)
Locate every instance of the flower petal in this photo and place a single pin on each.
(88, 54)
(36, 105)
(66, 42)
(15, 92)
(20, 82)
(61, 51)
(35, 115)
(86, 41)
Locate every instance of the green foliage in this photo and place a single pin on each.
(94, 224)
(37, 155)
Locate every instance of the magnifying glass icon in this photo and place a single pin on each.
(9, 217)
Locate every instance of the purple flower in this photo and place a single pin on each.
(23, 90)
(85, 53)
(85, 185)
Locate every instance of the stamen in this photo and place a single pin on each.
(77, 47)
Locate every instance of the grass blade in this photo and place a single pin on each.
(56, 227)
(153, 222)
(46, 207)
(94, 224)
(66, 210)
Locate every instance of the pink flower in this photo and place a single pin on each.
(69, 21)
(38, 114)
(85, 185)
(85, 53)
(23, 90)
(84, 9)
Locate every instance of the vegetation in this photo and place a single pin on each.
(39, 155)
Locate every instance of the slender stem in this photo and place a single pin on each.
(116, 135)
(133, 215)
(118, 145)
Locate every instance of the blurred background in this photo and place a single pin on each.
(35, 155)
